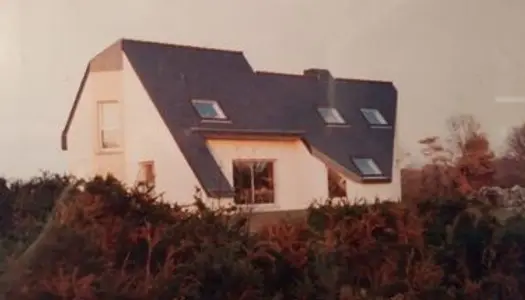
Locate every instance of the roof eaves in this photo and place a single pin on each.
(346, 172)
(362, 80)
(376, 179)
(334, 165)
(74, 108)
(257, 132)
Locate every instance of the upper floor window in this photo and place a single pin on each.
(373, 116)
(109, 125)
(209, 109)
(331, 115)
(253, 181)
(367, 166)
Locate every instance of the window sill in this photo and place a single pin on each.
(220, 121)
(376, 179)
(338, 126)
(109, 151)
(259, 207)
(381, 126)
(338, 199)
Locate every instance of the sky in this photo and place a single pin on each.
(444, 56)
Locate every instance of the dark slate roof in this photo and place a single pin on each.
(261, 103)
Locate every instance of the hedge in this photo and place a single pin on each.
(62, 238)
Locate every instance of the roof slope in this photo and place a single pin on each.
(261, 102)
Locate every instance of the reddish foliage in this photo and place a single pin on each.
(461, 165)
(511, 166)
(110, 243)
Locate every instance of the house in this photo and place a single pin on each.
(184, 118)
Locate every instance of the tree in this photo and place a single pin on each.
(511, 167)
(516, 143)
(437, 176)
(463, 162)
(474, 159)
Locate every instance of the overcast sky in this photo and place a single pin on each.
(444, 56)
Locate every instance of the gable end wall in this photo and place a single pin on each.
(148, 138)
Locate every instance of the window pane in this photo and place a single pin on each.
(253, 182)
(206, 110)
(373, 116)
(110, 138)
(263, 182)
(147, 173)
(242, 182)
(325, 113)
(367, 166)
(109, 115)
(331, 115)
(380, 118)
(369, 117)
(336, 185)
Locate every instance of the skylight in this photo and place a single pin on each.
(367, 166)
(373, 116)
(209, 109)
(331, 115)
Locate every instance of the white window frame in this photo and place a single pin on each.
(339, 120)
(377, 114)
(371, 164)
(220, 113)
(101, 127)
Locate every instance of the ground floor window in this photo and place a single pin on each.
(147, 173)
(253, 181)
(336, 185)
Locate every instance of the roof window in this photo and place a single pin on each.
(209, 109)
(373, 116)
(331, 115)
(367, 166)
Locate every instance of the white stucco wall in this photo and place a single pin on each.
(80, 139)
(383, 191)
(148, 138)
(299, 177)
(107, 86)
(85, 158)
(144, 137)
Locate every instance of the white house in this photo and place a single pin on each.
(183, 117)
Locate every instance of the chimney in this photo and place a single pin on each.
(325, 82)
(321, 74)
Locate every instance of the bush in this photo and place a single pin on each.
(106, 241)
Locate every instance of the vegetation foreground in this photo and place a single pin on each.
(104, 241)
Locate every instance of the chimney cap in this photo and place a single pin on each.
(319, 73)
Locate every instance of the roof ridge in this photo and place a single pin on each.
(265, 72)
(272, 72)
(174, 45)
(364, 80)
(343, 79)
